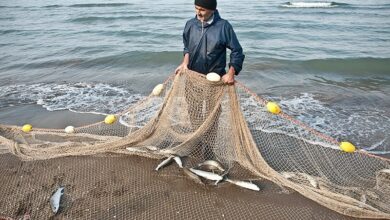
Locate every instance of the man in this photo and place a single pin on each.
(206, 38)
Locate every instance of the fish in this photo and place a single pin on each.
(193, 176)
(167, 151)
(211, 165)
(207, 175)
(312, 181)
(247, 185)
(363, 198)
(56, 199)
(385, 171)
(152, 148)
(144, 149)
(178, 161)
(223, 177)
(134, 149)
(165, 162)
(288, 175)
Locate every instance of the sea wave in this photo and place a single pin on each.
(99, 5)
(352, 66)
(312, 4)
(3, 32)
(125, 60)
(132, 59)
(80, 97)
(53, 6)
(91, 19)
(365, 126)
(341, 66)
(10, 6)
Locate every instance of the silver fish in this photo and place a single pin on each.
(55, 199)
(223, 177)
(287, 175)
(211, 165)
(134, 149)
(152, 148)
(312, 181)
(385, 171)
(363, 198)
(207, 175)
(192, 176)
(142, 149)
(178, 161)
(247, 185)
(165, 162)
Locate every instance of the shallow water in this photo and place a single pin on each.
(326, 63)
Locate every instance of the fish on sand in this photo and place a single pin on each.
(178, 161)
(56, 199)
(164, 162)
(192, 176)
(247, 185)
(207, 175)
(211, 165)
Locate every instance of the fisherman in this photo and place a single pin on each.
(206, 38)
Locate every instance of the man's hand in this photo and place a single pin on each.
(184, 65)
(228, 78)
(181, 67)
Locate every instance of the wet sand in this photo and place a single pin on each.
(112, 186)
(127, 187)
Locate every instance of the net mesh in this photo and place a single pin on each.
(196, 120)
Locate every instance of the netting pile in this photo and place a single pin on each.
(199, 120)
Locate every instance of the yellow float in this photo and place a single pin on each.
(110, 119)
(27, 128)
(273, 108)
(347, 147)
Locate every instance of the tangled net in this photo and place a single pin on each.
(198, 120)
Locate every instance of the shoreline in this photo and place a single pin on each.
(39, 117)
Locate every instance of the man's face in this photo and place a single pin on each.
(203, 14)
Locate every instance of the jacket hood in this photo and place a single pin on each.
(216, 18)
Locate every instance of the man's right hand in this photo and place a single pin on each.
(184, 65)
(181, 68)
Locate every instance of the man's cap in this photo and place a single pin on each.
(207, 4)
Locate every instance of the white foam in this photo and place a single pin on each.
(308, 5)
(375, 145)
(80, 97)
(363, 125)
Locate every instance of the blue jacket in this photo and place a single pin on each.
(207, 46)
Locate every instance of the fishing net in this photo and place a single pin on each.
(196, 120)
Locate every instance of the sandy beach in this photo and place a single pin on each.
(127, 187)
(112, 186)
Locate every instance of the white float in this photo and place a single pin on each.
(213, 77)
(69, 129)
(158, 89)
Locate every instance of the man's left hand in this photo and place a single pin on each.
(228, 78)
